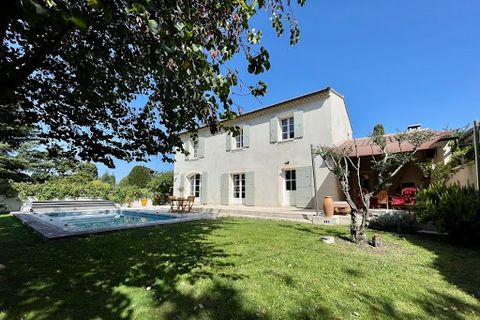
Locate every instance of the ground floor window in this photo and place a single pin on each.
(290, 180)
(195, 181)
(239, 186)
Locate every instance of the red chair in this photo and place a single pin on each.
(407, 198)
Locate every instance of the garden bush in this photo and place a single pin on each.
(161, 186)
(453, 209)
(400, 222)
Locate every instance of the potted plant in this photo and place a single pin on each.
(144, 194)
(181, 189)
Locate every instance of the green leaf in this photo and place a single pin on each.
(96, 4)
(40, 10)
(79, 22)
(153, 26)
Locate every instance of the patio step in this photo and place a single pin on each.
(295, 216)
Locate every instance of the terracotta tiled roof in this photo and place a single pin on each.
(366, 147)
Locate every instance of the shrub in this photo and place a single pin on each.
(61, 188)
(453, 209)
(400, 222)
(161, 186)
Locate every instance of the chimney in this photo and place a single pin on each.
(414, 127)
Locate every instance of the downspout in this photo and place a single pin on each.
(476, 147)
(314, 179)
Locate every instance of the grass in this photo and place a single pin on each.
(231, 269)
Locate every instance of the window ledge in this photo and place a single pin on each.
(193, 159)
(287, 140)
(238, 149)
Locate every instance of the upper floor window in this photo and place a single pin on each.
(195, 149)
(288, 131)
(239, 140)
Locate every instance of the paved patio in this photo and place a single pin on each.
(275, 213)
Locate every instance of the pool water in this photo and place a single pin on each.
(104, 219)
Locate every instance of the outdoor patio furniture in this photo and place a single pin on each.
(188, 203)
(406, 199)
(180, 204)
(341, 207)
(171, 202)
(382, 199)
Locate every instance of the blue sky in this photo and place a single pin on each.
(396, 63)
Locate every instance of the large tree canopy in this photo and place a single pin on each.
(72, 69)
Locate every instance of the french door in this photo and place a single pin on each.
(238, 188)
(289, 187)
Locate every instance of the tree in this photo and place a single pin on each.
(71, 69)
(139, 177)
(161, 186)
(22, 159)
(344, 162)
(87, 171)
(108, 178)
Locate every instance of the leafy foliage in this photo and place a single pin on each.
(454, 209)
(72, 68)
(139, 177)
(22, 159)
(161, 186)
(108, 178)
(63, 188)
(440, 173)
(400, 222)
(84, 182)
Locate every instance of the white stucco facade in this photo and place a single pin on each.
(257, 173)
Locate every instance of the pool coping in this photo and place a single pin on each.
(49, 231)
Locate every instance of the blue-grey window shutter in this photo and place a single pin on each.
(224, 189)
(273, 130)
(228, 141)
(188, 147)
(201, 147)
(250, 188)
(203, 194)
(182, 184)
(246, 136)
(304, 193)
(298, 124)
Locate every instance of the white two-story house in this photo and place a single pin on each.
(269, 162)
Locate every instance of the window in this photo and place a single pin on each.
(239, 186)
(287, 129)
(195, 185)
(239, 140)
(290, 180)
(195, 149)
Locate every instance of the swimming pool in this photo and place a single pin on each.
(53, 225)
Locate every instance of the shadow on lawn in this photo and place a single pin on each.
(87, 278)
(458, 264)
(437, 306)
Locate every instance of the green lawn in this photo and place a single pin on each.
(234, 268)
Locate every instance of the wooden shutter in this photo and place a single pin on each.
(298, 123)
(250, 188)
(246, 136)
(201, 147)
(273, 130)
(228, 141)
(203, 187)
(224, 189)
(304, 193)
